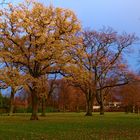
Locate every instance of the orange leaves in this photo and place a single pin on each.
(11, 77)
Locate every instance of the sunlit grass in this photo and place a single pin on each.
(71, 126)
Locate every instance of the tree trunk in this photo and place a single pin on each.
(64, 107)
(34, 115)
(43, 107)
(101, 104)
(11, 109)
(138, 111)
(89, 107)
(126, 109)
(77, 108)
(102, 109)
(100, 100)
(133, 109)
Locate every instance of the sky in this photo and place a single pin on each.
(121, 15)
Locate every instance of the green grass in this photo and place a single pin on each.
(71, 126)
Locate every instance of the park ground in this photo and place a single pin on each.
(71, 126)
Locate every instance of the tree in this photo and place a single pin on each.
(93, 59)
(37, 39)
(47, 86)
(66, 97)
(10, 77)
(4, 104)
(130, 94)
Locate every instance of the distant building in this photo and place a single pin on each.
(114, 104)
(96, 107)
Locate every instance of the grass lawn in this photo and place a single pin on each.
(71, 126)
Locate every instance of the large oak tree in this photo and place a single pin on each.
(37, 39)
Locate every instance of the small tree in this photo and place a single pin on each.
(10, 77)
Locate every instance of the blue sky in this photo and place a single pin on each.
(122, 15)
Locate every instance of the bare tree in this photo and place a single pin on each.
(93, 60)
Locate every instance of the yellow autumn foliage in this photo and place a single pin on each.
(37, 38)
